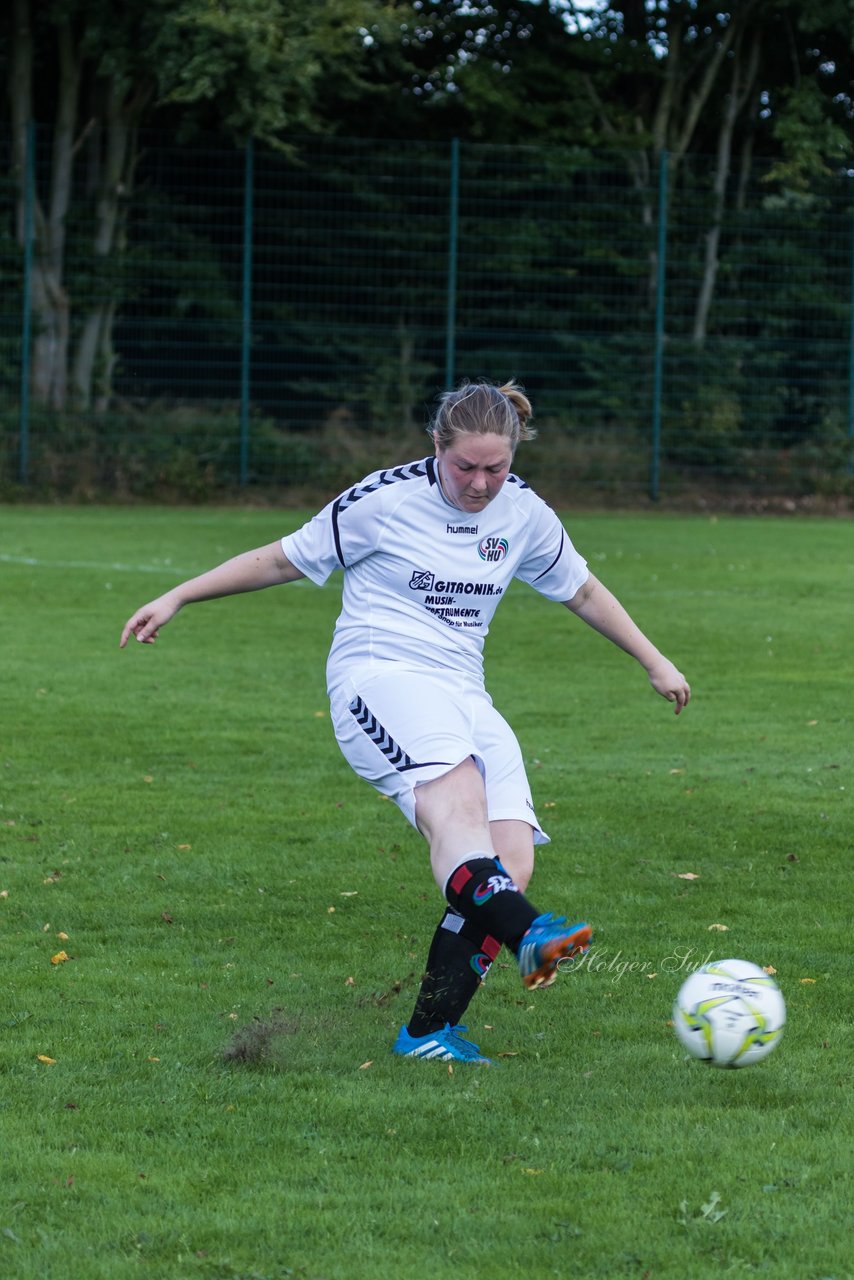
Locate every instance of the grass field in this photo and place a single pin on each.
(204, 1087)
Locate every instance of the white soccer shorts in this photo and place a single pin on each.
(398, 728)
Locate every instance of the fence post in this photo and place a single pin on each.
(851, 360)
(29, 192)
(658, 371)
(451, 301)
(246, 317)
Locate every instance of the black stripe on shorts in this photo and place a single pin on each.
(379, 735)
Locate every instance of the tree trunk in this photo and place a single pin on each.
(50, 304)
(637, 161)
(673, 122)
(686, 87)
(94, 357)
(742, 83)
(20, 91)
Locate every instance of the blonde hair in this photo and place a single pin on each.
(482, 408)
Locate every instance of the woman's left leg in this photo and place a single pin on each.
(513, 842)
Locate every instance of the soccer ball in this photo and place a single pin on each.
(729, 1013)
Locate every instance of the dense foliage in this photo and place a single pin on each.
(750, 110)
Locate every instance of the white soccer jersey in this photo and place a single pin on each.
(422, 578)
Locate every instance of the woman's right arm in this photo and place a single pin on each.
(265, 567)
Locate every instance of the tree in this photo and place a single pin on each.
(641, 78)
(248, 67)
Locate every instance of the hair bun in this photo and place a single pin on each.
(522, 405)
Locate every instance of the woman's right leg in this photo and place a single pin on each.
(386, 726)
(451, 814)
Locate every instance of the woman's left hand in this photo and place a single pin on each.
(670, 683)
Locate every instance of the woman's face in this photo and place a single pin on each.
(473, 468)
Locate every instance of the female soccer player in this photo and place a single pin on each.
(428, 550)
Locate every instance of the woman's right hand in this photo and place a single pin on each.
(145, 624)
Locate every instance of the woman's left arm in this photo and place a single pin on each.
(602, 611)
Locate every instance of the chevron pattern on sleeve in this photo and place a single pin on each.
(412, 471)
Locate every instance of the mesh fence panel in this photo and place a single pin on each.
(273, 319)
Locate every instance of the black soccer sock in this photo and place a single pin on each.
(459, 959)
(483, 892)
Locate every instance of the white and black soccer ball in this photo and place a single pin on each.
(730, 1013)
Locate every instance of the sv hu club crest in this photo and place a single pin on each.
(492, 549)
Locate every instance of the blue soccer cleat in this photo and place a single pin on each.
(549, 941)
(443, 1046)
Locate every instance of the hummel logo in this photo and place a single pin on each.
(461, 528)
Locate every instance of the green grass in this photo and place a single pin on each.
(182, 813)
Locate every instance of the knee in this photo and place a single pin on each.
(523, 880)
(520, 866)
(456, 796)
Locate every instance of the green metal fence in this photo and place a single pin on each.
(273, 319)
